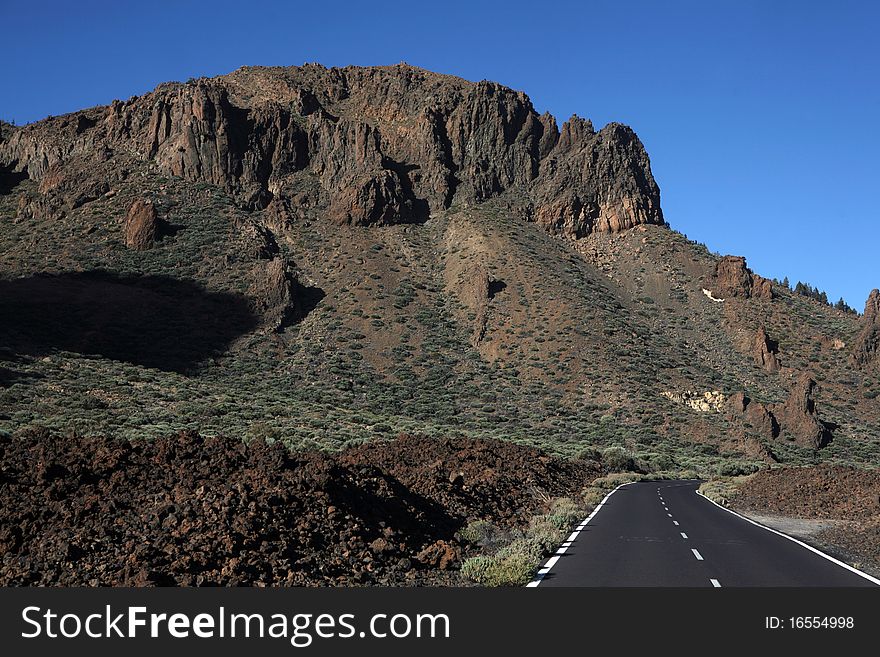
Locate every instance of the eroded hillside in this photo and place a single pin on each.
(329, 256)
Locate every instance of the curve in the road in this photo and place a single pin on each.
(660, 533)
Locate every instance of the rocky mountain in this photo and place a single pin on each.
(326, 257)
(384, 145)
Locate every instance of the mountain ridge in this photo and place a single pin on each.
(402, 251)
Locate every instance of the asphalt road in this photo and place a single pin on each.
(663, 533)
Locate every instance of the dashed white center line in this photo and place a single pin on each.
(683, 535)
(675, 522)
(669, 514)
(697, 554)
(715, 583)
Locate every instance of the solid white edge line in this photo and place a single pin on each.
(715, 583)
(697, 554)
(794, 540)
(542, 572)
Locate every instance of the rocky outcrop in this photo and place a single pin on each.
(867, 344)
(474, 293)
(711, 401)
(141, 226)
(755, 414)
(274, 293)
(798, 418)
(595, 181)
(386, 144)
(732, 278)
(764, 351)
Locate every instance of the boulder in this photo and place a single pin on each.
(474, 293)
(141, 225)
(440, 554)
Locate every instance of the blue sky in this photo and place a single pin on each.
(762, 118)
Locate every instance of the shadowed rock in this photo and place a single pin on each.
(764, 351)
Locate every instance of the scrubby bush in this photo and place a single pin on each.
(653, 462)
(723, 489)
(589, 453)
(545, 532)
(558, 520)
(617, 459)
(530, 546)
(482, 533)
(475, 568)
(592, 496)
(514, 569)
(566, 509)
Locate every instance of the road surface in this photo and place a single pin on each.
(662, 533)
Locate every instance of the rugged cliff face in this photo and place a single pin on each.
(385, 145)
(867, 345)
(733, 278)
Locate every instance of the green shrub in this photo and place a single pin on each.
(566, 507)
(545, 533)
(530, 546)
(617, 459)
(723, 489)
(612, 481)
(481, 532)
(592, 496)
(589, 453)
(515, 569)
(476, 568)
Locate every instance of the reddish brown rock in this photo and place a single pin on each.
(764, 351)
(867, 344)
(371, 201)
(141, 226)
(756, 449)
(754, 414)
(798, 417)
(441, 555)
(474, 293)
(386, 145)
(732, 278)
(188, 510)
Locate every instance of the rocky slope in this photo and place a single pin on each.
(189, 511)
(328, 256)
